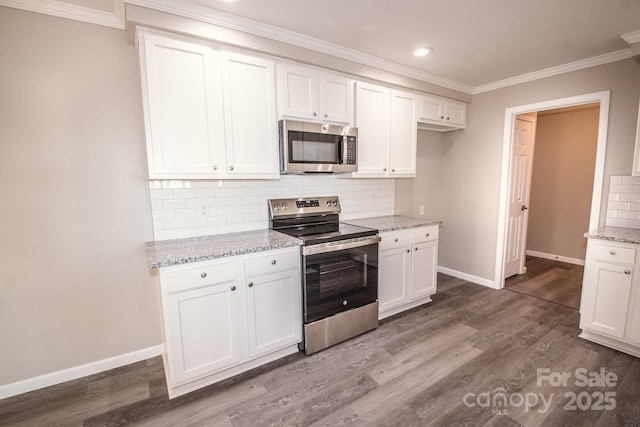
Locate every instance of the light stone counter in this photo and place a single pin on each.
(181, 251)
(388, 223)
(615, 234)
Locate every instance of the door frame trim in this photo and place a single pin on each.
(603, 99)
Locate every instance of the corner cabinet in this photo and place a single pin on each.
(227, 316)
(441, 114)
(610, 303)
(209, 114)
(387, 132)
(314, 95)
(408, 261)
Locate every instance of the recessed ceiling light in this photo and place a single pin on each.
(423, 51)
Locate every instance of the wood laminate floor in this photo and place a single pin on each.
(471, 357)
(553, 281)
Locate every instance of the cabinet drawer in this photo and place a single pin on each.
(271, 262)
(424, 235)
(392, 241)
(612, 253)
(183, 278)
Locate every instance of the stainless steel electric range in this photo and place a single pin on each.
(339, 269)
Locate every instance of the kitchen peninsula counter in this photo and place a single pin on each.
(615, 234)
(389, 223)
(165, 253)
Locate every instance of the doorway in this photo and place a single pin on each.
(600, 98)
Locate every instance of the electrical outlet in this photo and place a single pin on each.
(421, 209)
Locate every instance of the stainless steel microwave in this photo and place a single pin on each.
(307, 147)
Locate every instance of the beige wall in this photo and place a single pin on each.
(74, 285)
(425, 188)
(562, 182)
(472, 162)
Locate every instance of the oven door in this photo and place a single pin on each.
(339, 276)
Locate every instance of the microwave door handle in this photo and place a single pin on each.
(341, 143)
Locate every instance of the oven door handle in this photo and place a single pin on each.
(333, 247)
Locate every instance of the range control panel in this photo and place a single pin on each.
(298, 207)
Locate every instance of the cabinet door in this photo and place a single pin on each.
(298, 92)
(274, 311)
(424, 266)
(394, 272)
(372, 121)
(403, 134)
(455, 113)
(336, 98)
(605, 301)
(634, 328)
(431, 108)
(182, 99)
(203, 331)
(250, 116)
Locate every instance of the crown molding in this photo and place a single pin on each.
(234, 22)
(554, 71)
(113, 19)
(631, 38)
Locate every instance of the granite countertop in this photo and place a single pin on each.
(181, 251)
(392, 222)
(615, 234)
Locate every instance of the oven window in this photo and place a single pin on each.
(339, 281)
(314, 148)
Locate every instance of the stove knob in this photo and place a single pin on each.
(276, 207)
(328, 202)
(336, 203)
(285, 206)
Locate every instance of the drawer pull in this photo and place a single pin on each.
(612, 252)
(627, 272)
(408, 251)
(273, 262)
(251, 284)
(396, 240)
(233, 288)
(416, 249)
(428, 234)
(203, 275)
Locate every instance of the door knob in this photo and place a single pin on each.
(524, 208)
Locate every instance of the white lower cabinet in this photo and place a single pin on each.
(224, 317)
(407, 269)
(610, 304)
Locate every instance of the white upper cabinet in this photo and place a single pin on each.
(372, 121)
(310, 94)
(403, 132)
(208, 114)
(387, 132)
(250, 115)
(441, 114)
(182, 96)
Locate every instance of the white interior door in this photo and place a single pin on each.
(519, 185)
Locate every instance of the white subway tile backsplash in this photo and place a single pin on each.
(623, 208)
(202, 207)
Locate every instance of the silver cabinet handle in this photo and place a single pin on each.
(385, 169)
(416, 249)
(203, 275)
(251, 284)
(612, 252)
(214, 167)
(273, 262)
(233, 288)
(627, 272)
(441, 117)
(427, 234)
(230, 168)
(325, 115)
(395, 240)
(393, 170)
(408, 251)
(315, 114)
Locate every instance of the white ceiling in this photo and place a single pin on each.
(475, 42)
(478, 45)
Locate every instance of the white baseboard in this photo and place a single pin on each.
(554, 257)
(468, 277)
(58, 377)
